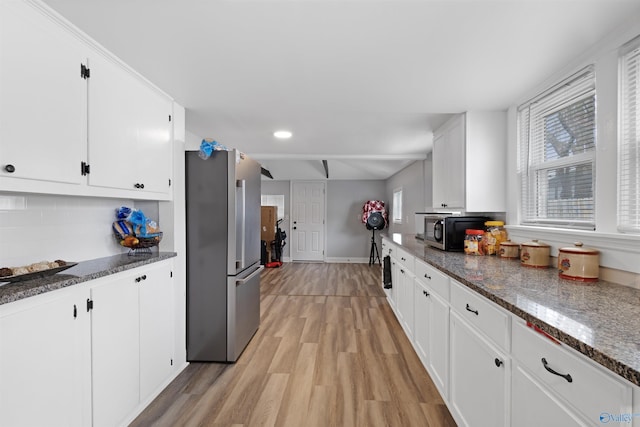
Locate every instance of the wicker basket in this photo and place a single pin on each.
(143, 242)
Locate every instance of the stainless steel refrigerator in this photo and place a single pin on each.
(223, 255)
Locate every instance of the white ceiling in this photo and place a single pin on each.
(356, 81)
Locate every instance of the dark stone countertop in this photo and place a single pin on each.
(82, 272)
(599, 319)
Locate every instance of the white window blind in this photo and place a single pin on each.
(557, 140)
(629, 140)
(397, 206)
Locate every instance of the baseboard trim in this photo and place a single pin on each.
(346, 260)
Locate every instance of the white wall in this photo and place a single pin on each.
(348, 239)
(415, 181)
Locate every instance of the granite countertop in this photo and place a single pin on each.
(82, 272)
(599, 319)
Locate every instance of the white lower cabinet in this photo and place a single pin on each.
(439, 344)
(157, 322)
(392, 292)
(45, 371)
(532, 405)
(405, 300)
(114, 350)
(569, 381)
(431, 334)
(90, 354)
(479, 378)
(491, 367)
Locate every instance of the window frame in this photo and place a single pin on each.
(396, 210)
(528, 123)
(627, 221)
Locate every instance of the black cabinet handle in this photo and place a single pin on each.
(402, 271)
(565, 376)
(403, 258)
(139, 185)
(144, 277)
(75, 311)
(10, 168)
(472, 310)
(138, 279)
(426, 294)
(498, 362)
(427, 276)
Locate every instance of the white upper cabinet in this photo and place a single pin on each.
(469, 163)
(55, 117)
(42, 97)
(129, 130)
(448, 166)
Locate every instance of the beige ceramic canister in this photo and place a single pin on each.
(509, 250)
(578, 263)
(535, 254)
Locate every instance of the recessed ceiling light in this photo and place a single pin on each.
(282, 134)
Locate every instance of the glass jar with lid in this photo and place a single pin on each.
(494, 234)
(473, 242)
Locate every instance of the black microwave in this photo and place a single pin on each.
(446, 232)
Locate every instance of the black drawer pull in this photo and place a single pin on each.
(426, 294)
(10, 168)
(498, 362)
(427, 276)
(402, 271)
(546, 366)
(472, 310)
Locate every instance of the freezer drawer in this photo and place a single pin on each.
(243, 312)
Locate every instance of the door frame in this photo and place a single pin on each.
(324, 223)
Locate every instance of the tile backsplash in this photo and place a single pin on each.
(36, 227)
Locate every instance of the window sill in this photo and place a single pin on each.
(617, 250)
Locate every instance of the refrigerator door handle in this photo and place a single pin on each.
(241, 185)
(249, 277)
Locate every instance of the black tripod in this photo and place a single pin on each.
(373, 254)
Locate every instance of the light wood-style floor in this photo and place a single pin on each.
(329, 352)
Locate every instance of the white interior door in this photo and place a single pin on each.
(307, 223)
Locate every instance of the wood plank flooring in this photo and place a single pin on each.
(329, 352)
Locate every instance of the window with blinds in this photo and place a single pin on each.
(629, 140)
(557, 141)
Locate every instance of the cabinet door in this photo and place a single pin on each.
(406, 300)
(115, 350)
(395, 286)
(438, 348)
(479, 378)
(129, 130)
(422, 308)
(44, 362)
(156, 327)
(532, 405)
(42, 97)
(449, 166)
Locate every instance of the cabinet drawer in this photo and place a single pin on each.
(436, 280)
(591, 391)
(481, 313)
(405, 259)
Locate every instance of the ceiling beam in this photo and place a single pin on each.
(265, 172)
(326, 168)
